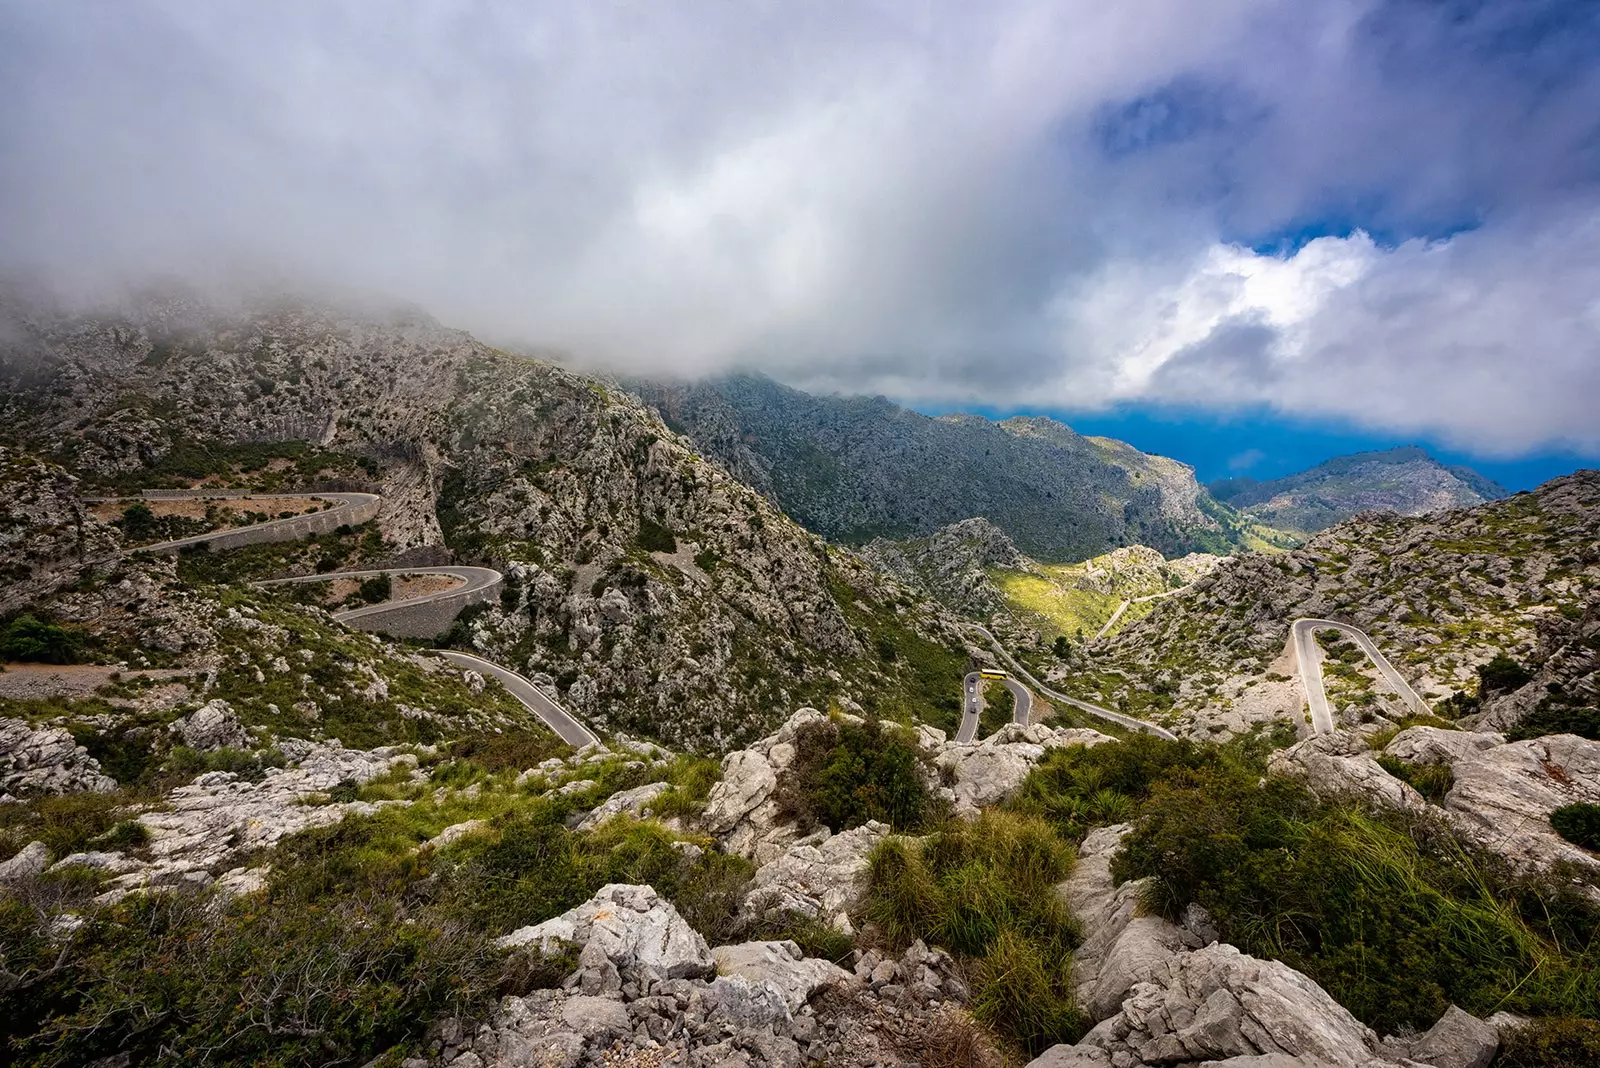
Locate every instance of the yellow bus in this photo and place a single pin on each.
(993, 673)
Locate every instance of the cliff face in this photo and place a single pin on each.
(1404, 480)
(857, 468)
(658, 593)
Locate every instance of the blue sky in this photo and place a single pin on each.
(1375, 221)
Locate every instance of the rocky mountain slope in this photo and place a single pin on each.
(857, 468)
(654, 591)
(1405, 480)
(973, 569)
(1442, 595)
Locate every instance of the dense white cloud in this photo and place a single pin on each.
(1025, 203)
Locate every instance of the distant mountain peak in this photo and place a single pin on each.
(1405, 479)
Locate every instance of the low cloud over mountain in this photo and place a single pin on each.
(1380, 211)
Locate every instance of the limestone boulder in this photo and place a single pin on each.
(635, 802)
(782, 966)
(46, 760)
(741, 809)
(1503, 797)
(1433, 745)
(991, 771)
(821, 877)
(31, 860)
(628, 925)
(1217, 1003)
(1334, 765)
(212, 726)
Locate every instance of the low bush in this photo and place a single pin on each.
(376, 589)
(1552, 717)
(70, 823)
(1578, 824)
(1393, 915)
(1080, 787)
(1559, 1042)
(1501, 675)
(845, 774)
(655, 538)
(28, 638)
(985, 890)
(169, 980)
(248, 765)
(1432, 781)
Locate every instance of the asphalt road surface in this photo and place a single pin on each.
(972, 705)
(1308, 658)
(543, 705)
(1094, 710)
(473, 579)
(344, 500)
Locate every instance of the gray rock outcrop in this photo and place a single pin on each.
(822, 877)
(635, 802)
(628, 927)
(29, 861)
(1341, 764)
(991, 771)
(46, 760)
(781, 965)
(212, 726)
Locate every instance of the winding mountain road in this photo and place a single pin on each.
(1094, 710)
(349, 508)
(1308, 659)
(972, 705)
(558, 719)
(476, 584)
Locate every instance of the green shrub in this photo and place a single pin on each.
(1392, 914)
(167, 979)
(985, 890)
(67, 824)
(655, 538)
(376, 589)
(30, 639)
(123, 835)
(1550, 717)
(690, 779)
(1501, 675)
(845, 774)
(511, 751)
(1079, 787)
(1432, 781)
(138, 521)
(248, 765)
(1559, 1042)
(1578, 824)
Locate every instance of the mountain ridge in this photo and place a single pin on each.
(1405, 479)
(858, 468)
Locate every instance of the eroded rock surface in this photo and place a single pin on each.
(46, 760)
(821, 877)
(991, 771)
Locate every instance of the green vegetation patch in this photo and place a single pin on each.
(1391, 913)
(985, 889)
(1555, 717)
(845, 774)
(1432, 781)
(1578, 824)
